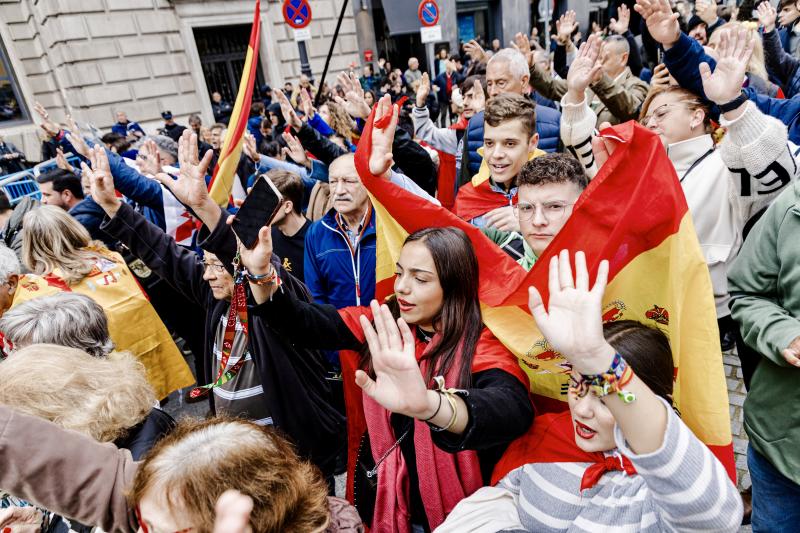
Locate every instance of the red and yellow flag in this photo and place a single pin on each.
(635, 215)
(225, 171)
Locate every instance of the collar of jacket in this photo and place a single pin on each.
(684, 153)
(329, 221)
(484, 173)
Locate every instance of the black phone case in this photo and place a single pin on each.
(257, 211)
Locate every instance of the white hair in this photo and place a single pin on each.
(9, 263)
(517, 63)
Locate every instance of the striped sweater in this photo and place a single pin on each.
(679, 487)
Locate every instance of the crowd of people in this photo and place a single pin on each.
(126, 264)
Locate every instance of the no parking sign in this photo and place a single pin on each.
(428, 13)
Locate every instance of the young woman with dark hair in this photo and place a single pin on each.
(621, 458)
(442, 398)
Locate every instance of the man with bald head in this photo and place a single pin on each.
(615, 96)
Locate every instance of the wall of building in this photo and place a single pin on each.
(91, 57)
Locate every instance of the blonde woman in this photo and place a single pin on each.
(107, 399)
(178, 484)
(62, 257)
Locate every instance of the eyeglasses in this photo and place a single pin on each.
(217, 268)
(552, 211)
(662, 111)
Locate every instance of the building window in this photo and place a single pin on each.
(12, 107)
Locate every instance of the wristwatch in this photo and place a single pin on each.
(733, 104)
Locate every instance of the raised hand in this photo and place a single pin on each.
(767, 16)
(101, 181)
(661, 22)
(660, 77)
(733, 53)
(398, 385)
(257, 259)
(478, 97)
(523, 46)
(76, 139)
(565, 25)
(149, 158)
(572, 322)
(620, 26)
(308, 105)
(289, 114)
(707, 11)
(295, 150)
(250, 149)
(61, 161)
(380, 160)
(190, 187)
(475, 51)
(50, 127)
(353, 101)
(423, 90)
(584, 69)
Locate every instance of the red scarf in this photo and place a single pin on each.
(444, 478)
(551, 439)
(473, 201)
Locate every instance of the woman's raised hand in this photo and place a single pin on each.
(572, 322)
(101, 180)
(398, 385)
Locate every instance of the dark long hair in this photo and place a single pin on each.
(459, 321)
(648, 352)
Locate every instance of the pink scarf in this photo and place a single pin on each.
(444, 478)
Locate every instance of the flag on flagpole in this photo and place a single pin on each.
(635, 215)
(225, 171)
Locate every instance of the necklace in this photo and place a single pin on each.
(374, 471)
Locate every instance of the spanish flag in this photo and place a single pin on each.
(635, 215)
(225, 171)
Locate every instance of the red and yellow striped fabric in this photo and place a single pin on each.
(225, 171)
(635, 215)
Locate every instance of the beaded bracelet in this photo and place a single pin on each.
(270, 278)
(618, 375)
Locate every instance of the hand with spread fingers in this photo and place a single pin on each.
(565, 27)
(572, 321)
(475, 51)
(620, 25)
(767, 16)
(50, 127)
(733, 53)
(661, 22)
(353, 101)
(398, 385)
(583, 70)
(289, 114)
(523, 46)
(76, 139)
(149, 158)
(101, 181)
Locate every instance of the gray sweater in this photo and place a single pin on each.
(679, 487)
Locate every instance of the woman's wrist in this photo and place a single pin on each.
(432, 406)
(597, 361)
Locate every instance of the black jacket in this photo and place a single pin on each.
(298, 396)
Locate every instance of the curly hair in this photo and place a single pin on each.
(341, 122)
(100, 397)
(553, 168)
(200, 460)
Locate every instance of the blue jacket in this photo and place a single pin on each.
(548, 124)
(91, 216)
(683, 62)
(123, 129)
(784, 67)
(144, 192)
(330, 268)
(254, 128)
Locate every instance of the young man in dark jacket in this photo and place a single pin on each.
(272, 382)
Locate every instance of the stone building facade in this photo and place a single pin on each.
(93, 57)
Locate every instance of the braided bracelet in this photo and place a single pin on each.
(618, 375)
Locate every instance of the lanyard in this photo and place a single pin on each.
(238, 309)
(697, 162)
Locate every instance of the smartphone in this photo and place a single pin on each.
(257, 211)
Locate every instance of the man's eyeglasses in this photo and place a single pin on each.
(552, 211)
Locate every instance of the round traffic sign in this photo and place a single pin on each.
(428, 12)
(297, 13)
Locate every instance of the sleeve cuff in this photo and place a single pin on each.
(747, 127)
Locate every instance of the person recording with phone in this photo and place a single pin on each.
(246, 370)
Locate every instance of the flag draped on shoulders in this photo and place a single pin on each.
(225, 171)
(476, 197)
(634, 214)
